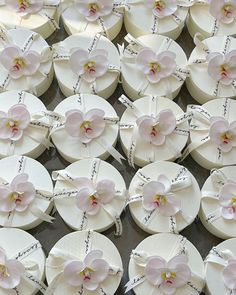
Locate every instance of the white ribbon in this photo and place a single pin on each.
(138, 113)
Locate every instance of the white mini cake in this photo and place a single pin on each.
(151, 65)
(103, 208)
(166, 258)
(22, 263)
(82, 139)
(87, 63)
(24, 127)
(41, 16)
(212, 21)
(218, 203)
(25, 61)
(162, 214)
(71, 267)
(157, 17)
(212, 133)
(210, 64)
(149, 113)
(29, 207)
(220, 267)
(105, 17)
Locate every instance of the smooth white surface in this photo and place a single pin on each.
(73, 244)
(14, 240)
(70, 147)
(221, 227)
(67, 207)
(67, 79)
(74, 22)
(201, 21)
(162, 245)
(133, 79)
(35, 22)
(214, 281)
(206, 155)
(190, 198)
(26, 145)
(166, 26)
(200, 84)
(143, 148)
(40, 82)
(41, 180)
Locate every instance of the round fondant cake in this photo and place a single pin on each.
(212, 18)
(213, 133)
(25, 61)
(158, 17)
(23, 127)
(151, 65)
(153, 129)
(92, 196)
(22, 263)
(220, 267)
(83, 262)
(166, 264)
(160, 195)
(25, 198)
(101, 16)
(218, 204)
(40, 16)
(211, 66)
(87, 127)
(87, 63)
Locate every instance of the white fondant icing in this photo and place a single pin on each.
(41, 180)
(200, 85)
(105, 85)
(133, 79)
(74, 244)
(25, 146)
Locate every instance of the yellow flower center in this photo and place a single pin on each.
(86, 273)
(3, 271)
(160, 200)
(24, 3)
(159, 5)
(86, 126)
(227, 9)
(90, 67)
(93, 200)
(19, 63)
(154, 67)
(16, 197)
(224, 70)
(154, 130)
(227, 137)
(93, 8)
(12, 124)
(233, 201)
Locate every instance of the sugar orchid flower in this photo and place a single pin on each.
(91, 197)
(19, 63)
(18, 195)
(157, 195)
(91, 65)
(223, 10)
(25, 7)
(11, 271)
(88, 273)
(223, 133)
(155, 129)
(222, 67)
(156, 66)
(14, 122)
(168, 276)
(227, 200)
(93, 9)
(162, 8)
(85, 126)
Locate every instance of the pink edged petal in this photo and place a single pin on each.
(101, 69)
(231, 58)
(159, 139)
(144, 57)
(153, 188)
(17, 135)
(107, 7)
(170, 207)
(6, 203)
(91, 256)
(214, 66)
(154, 77)
(8, 55)
(82, 182)
(101, 269)
(227, 192)
(5, 132)
(94, 113)
(216, 129)
(154, 268)
(225, 147)
(168, 289)
(145, 128)
(77, 61)
(32, 59)
(167, 122)
(183, 274)
(89, 77)
(74, 119)
(141, 119)
(226, 80)
(106, 190)
(71, 273)
(167, 62)
(176, 260)
(20, 178)
(90, 285)
(228, 212)
(97, 125)
(165, 181)
(215, 7)
(29, 192)
(19, 113)
(86, 204)
(229, 275)
(15, 270)
(170, 6)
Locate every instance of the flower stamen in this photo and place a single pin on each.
(86, 273)
(86, 126)
(168, 277)
(19, 63)
(154, 68)
(3, 271)
(227, 10)
(93, 8)
(159, 200)
(159, 5)
(226, 137)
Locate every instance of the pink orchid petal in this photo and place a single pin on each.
(216, 8)
(176, 260)
(183, 275)
(6, 204)
(101, 269)
(20, 113)
(34, 6)
(85, 203)
(82, 182)
(228, 212)
(8, 54)
(144, 57)
(229, 275)
(33, 63)
(90, 285)
(106, 190)
(74, 119)
(165, 181)
(171, 206)
(214, 65)
(167, 122)
(15, 269)
(154, 268)
(77, 60)
(71, 273)
(168, 289)
(20, 178)
(91, 256)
